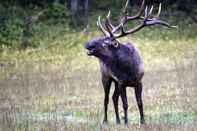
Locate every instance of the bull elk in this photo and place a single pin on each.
(122, 63)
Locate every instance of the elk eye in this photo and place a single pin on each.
(115, 43)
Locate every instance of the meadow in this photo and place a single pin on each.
(56, 86)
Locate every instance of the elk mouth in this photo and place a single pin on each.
(90, 52)
(90, 49)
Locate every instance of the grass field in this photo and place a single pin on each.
(58, 87)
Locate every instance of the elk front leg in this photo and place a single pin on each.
(138, 95)
(106, 86)
(115, 98)
(123, 95)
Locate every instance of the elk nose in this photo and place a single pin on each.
(87, 46)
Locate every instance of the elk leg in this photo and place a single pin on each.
(106, 85)
(115, 98)
(138, 95)
(124, 101)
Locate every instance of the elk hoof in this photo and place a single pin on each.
(126, 125)
(142, 122)
(105, 122)
(118, 121)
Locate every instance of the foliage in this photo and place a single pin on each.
(57, 11)
(57, 16)
(13, 22)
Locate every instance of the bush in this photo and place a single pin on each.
(57, 11)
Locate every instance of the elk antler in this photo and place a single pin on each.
(147, 20)
(99, 24)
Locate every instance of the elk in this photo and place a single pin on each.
(122, 63)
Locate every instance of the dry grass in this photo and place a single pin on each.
(59, 89)
(47, 96)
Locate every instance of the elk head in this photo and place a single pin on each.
(103, 45)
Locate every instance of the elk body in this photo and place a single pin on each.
(121, 63)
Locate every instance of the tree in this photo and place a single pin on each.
(75, 7)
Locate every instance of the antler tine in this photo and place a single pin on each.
(122, 29)
(101, 26)
(151, 10)
(141, 9)
(139, 13)
(159, 11)
(108, 26)
(109, 13)
(126, 5)
(109, 21)
(146, 12)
